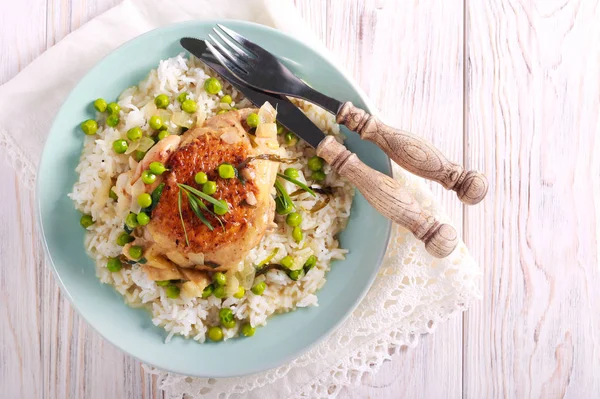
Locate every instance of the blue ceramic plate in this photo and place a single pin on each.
(286, 336)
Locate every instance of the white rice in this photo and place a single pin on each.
(99, 166)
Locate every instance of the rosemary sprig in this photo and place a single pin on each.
(298, 183)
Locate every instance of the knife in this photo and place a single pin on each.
(381, 191)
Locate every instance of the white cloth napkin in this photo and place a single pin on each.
(413, 291)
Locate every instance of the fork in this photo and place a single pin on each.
(261, 70)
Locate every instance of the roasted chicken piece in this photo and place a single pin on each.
(222, 139)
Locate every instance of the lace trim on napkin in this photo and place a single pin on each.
(19, 162)
(412, 294)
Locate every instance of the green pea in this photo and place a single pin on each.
(124, 238)
(113, 108)
(212, 86)
(292, 173)
(252, 120)
(158, 168)
(287, 262)
(221, 111)
(148, 177)
(200, 178)
(248, 330)
(163, 283)
(120, 146)
(226, 99)
(220, 279)
(162, 134)
(226, 318)
(290, 139)
(280, 129)
(172, 291)
(297, 234)
(259, 288)
(315, 163)
(112, 120)
(319, 175)
(293, 219)
(189, 106)
(136, 252)
(89, 127)
(240, 293)
(112, 194)
(139, 155)
(296, 274)
(86, 221)
(143, 218)
(219, 292)
(161, 101)
(144, 200)
(210, 187)
(310, 263)
(208, 291)
(100, 105)
(134, 134)
(221, 210)
(215, 333)
(131, 221)
(281, 210)
(226, 171)
(182, 97)
(114, 265)
(155, 122)
(228, 323)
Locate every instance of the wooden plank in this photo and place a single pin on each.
(23, 35)
(408, 58)
(533, 126)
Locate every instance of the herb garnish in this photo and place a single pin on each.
(181, 217)
(284, 203)
(298, 183)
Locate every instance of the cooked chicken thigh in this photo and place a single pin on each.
(223, 139)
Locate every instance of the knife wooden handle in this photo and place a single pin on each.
(390, 198)
(414, 154)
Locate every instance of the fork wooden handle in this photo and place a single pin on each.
(414, 154)
(390, 198)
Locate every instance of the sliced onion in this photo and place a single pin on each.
(149, 109)
(200, 117)
(266, 130)
(137, 189)
(266, 113)
(233, 283)
(182, 119)
(145, 144)
(132, 147)
(164, 114)
(197, 259)
(246, 275)
(300, 258)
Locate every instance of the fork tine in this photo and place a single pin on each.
(233, 68)
(248, 45)
(237, 47)
(240, 60)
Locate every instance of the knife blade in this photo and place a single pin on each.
(287, 113)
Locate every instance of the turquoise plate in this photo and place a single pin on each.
(286, 336)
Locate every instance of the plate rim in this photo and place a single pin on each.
(65, 291)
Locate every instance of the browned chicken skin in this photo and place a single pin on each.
(223, 139)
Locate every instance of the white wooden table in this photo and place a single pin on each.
(509, 87)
